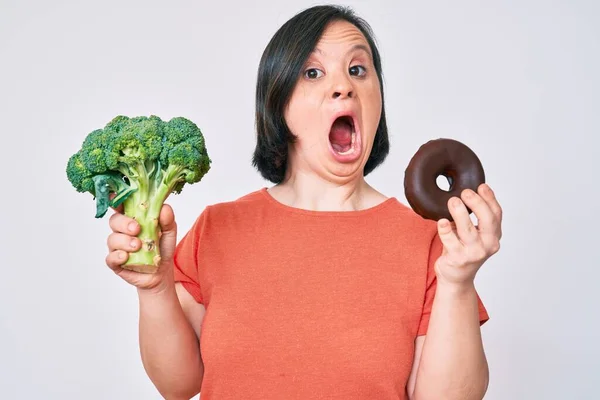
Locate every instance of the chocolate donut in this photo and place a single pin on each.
(446, 157)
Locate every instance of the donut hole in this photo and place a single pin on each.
(444, 182)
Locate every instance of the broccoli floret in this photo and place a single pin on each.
(138, 162)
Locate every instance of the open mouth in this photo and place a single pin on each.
(342, 135)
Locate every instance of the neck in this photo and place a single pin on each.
(311, 192)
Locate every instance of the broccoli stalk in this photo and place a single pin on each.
(138, 162)
(144, 205)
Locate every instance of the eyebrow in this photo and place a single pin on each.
(356, 47)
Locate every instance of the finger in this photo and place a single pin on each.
(466, 231)
(485, 217)
(115, 259)
(448, 236)
(120, 241)
(490, 223)
(123, 224)
(168, 236)
(486, 192)
(491, 230)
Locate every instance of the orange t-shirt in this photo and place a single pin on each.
(309, 304)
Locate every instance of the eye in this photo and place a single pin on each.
(357, 69)
(313, 73)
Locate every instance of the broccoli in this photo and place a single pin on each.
(138, 162)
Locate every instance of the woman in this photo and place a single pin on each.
(320, 286)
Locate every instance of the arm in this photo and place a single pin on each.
(170, 318)
(170, 322)
(450, 362)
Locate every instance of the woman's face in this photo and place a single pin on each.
(335, 107)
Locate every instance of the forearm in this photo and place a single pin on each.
(168, 345)
(453, 364)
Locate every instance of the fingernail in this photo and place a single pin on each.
(133, 244)
(132, 226)
(456, 203)
(468, 193)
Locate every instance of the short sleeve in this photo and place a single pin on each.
(186, 259)
(435, 251)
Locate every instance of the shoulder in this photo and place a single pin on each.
(240, 209)
(227, 217)
(414, 237)
(406, 219)
(242, 204)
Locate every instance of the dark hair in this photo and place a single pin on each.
(280, 66)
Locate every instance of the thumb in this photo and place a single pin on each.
(120, 208)
(168, 238)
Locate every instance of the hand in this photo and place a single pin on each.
(468, 246)
(123, 240)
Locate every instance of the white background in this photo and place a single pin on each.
(515, 80)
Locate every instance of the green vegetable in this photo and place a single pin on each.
(138, 162)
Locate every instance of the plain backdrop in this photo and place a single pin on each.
(515, 80)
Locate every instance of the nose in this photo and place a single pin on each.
(343, 93)
(342, 88)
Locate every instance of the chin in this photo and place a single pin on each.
(342, 172)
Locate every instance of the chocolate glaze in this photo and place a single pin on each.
(446, 157)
